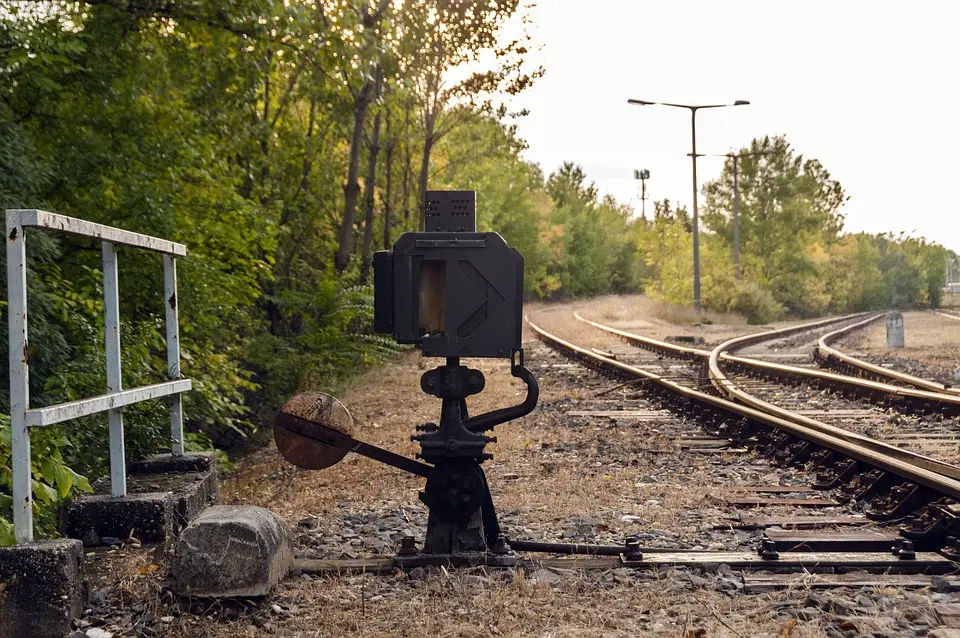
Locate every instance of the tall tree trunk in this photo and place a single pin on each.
(265, 133)
(351, 190)
(388, 194)
(430, 113)
(428, 142)
(407, 160)
(422, 181)
(367, 253)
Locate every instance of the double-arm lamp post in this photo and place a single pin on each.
(696, 219)
(736, 157)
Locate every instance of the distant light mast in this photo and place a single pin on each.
(643, 175)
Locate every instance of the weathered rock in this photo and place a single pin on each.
(230, 551)
(42, 588)
(940, 584)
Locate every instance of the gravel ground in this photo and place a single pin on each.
(555, 476)
(932, 351)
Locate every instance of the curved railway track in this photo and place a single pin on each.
(834, 358)
(893, 482)
(907, 399)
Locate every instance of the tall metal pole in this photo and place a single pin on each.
(20, 477)
(736, 217)
(643, 197)
(696, 219)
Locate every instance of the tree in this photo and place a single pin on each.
(367, 32)
(789, 214)
(440, 35)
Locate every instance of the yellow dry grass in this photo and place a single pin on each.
(387, 403)
(930, 338)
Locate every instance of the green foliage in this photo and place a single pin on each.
(793, 257)
(225, 126)
(237, 127)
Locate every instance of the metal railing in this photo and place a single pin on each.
(22, 418)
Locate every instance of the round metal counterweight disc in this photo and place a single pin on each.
(319, 408)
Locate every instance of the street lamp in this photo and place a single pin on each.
(693, 136)
(643, 175)
(736, 203)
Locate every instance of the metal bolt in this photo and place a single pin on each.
(501, 546)
(768, 549)
(903, 550)
(631, 548)
(408, 546)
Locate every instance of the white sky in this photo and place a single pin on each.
(868, 88)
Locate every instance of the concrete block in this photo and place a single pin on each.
(164, 492)
(42, 588)
(197, 488)
(148, 517)
(231, 551)
(188, 462)
(895, 333)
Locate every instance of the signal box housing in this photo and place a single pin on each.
(451, 290)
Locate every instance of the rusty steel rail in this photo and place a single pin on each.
(729, 389)
(834, 358)
(897, 462)
(918, 400)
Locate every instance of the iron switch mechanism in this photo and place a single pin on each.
(455, 293)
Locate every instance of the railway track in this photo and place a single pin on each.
(888, 395)
(831, 357)
(890, 483)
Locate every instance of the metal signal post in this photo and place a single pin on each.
(693, 154)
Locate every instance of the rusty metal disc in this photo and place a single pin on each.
(319, 408)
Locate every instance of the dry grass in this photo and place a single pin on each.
(931, 338)
(543, 489)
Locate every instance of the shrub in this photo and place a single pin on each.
(756, 304)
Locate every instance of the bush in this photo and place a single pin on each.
(756, 304)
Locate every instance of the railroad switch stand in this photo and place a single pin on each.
(452, 292)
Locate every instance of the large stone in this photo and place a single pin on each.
(42, 588)
(231, 551)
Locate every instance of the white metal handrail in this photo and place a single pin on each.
(22, 418)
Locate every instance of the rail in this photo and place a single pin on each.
(905, 464)
(22, 417)
(833, 357)
(947, 404)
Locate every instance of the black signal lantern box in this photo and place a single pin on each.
(451, 290)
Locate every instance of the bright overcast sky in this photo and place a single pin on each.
(868, 88)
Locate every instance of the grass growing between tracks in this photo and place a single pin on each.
(556, 476)
(931, 340)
